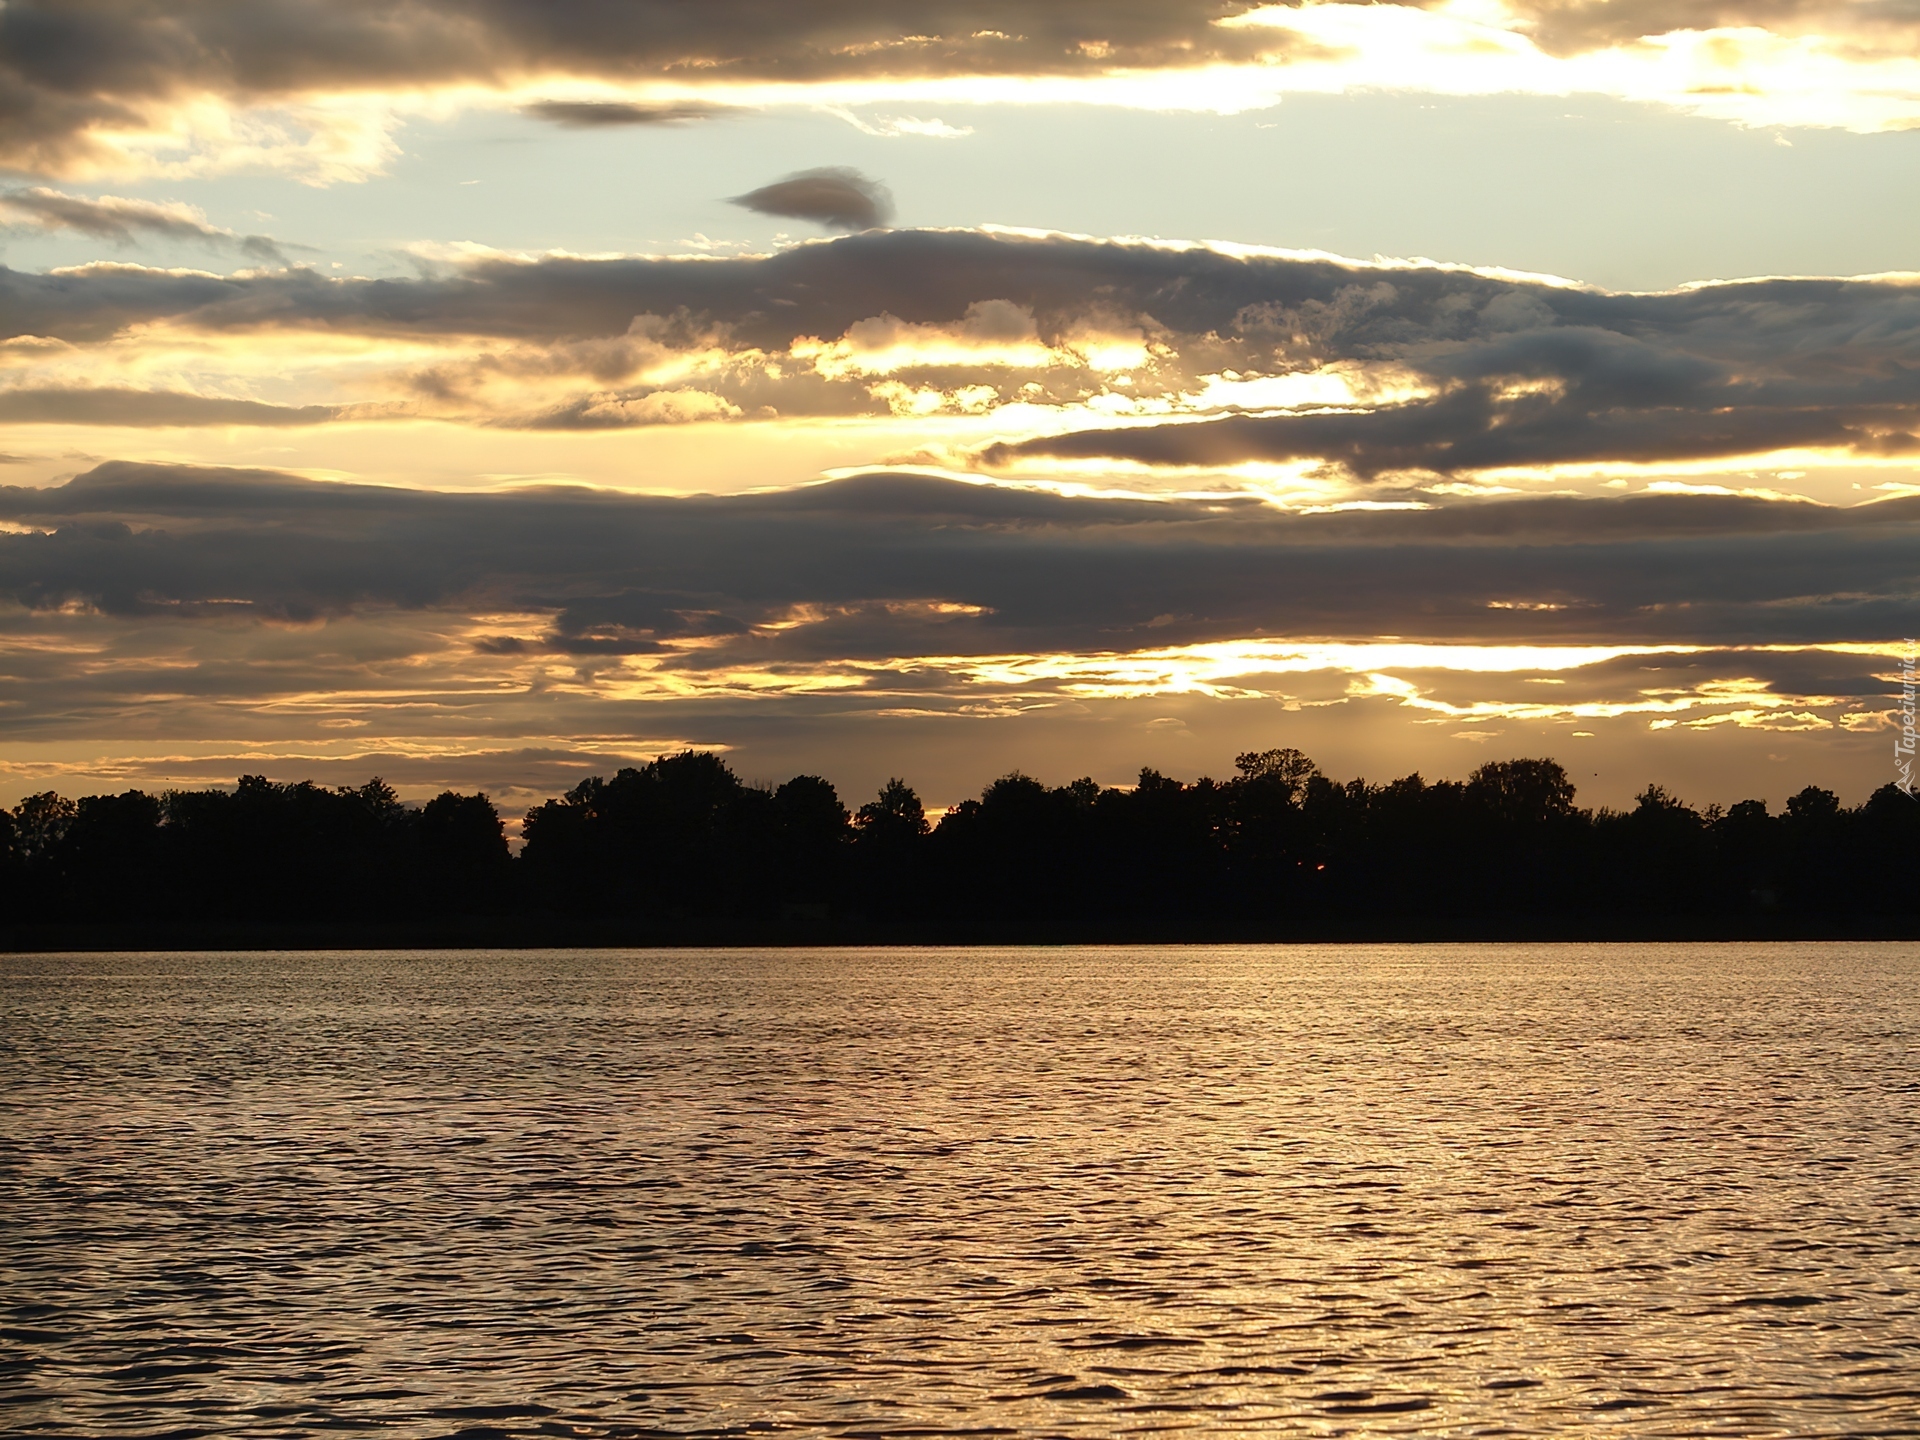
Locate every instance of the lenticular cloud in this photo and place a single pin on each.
(835, 196)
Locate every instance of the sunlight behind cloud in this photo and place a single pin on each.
(1745, 74)
(342, 126)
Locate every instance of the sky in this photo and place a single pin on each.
(493, 393)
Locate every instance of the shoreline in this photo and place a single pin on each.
(486, 934)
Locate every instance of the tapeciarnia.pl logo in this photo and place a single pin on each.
(1903, 747)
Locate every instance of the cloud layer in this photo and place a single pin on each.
(1067, 356)
(314, 85)
(78, 74)
(516, 638)
(123, 222)
(894, 571)
(892, 560)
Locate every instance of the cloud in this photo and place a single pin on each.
(893, 127)
(607, 114)
(1567, 394)
(897, 623)
(317, 87)
(835, 196)
(84, 83)
(1088, 356)
(860, 568)
(123, 221)
(1573, 26)
(115, 405)
(614, 411)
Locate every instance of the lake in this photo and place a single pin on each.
(1321, 1190)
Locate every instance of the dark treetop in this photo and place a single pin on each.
(682, 849)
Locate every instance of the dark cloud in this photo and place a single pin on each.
(1472, 430)
(1304, 309)
(112, 405)
(1571, 26)
(66, 69)
(636, 622)
(834, 196)
(124, 222)
(609, 114)
(889, 565)
(919, 276)
(1505, 372)
(816, 630)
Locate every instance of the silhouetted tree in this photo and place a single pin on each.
(1880, 854)
(1280, 849)
(1162, 849)
(894, 816)
(1286, 769)
(1009, 853)
(1522, 792)
(1269, 839)
(889, 843)
(9, 854)
(1747, 845)
(679, 837)
(813, 832)
(114, 857)
(40, 823)
(465, 866)
(1654, 856)
(1520, 828)
(1817, 872)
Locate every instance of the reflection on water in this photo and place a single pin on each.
(1327, 1190)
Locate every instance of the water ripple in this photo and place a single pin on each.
(1513, 1190)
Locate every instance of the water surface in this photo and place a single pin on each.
(1471, 1190)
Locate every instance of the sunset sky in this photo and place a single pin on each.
(468, 391)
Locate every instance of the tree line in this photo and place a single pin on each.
(683, 843)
